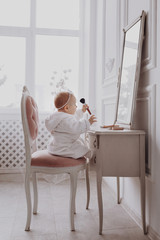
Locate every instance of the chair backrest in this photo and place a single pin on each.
(32, 116)
(30, 120)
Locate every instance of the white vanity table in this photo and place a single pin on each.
(119, 153)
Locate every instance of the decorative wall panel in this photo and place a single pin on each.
(108, 109)
(146, 120)
(112, 40)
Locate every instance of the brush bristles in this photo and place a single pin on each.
(82, 100)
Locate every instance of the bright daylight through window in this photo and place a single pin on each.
(39, 47)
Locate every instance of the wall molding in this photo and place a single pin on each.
(150, 61)
(125, 15)
(113, 74)
(110, 102)
(148, 95)
(111, 81)
(111, 99)
(143, 100)
(152, 234)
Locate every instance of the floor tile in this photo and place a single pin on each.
(6, 224)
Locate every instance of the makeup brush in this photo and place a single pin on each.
(82, 100)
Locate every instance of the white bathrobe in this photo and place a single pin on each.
(66, 130)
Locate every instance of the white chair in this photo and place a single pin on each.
(42, 161)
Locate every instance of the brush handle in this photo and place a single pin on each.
(83, 102)
(89, 111)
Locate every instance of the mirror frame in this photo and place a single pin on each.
(137, 73)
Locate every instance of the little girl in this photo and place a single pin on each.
(66, 125)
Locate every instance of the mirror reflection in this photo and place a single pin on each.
(128, 73)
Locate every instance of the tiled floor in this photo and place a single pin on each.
(52, 220)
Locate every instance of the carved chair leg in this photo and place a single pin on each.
(73, 188)
(29, 204)
(87, 185)
(35, 192)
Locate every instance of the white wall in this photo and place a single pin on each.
(118, 14)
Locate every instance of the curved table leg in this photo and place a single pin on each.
(142, 182)
(118, 190)
(73, 187)
(88, 186)
(142, 185)
(100, 202)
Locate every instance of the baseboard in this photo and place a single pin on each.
(137, 218)
(134, 215)
(152, 234)
(12, 177)
(10, 171)
(53, 178)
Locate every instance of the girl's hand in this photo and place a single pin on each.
(84, 107)
(92, 119)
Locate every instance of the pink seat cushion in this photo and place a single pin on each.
(44, 159)
(32, 117)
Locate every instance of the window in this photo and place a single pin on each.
(39, 47)
(15, 13)
(58, 14)
(61, 55)
(12, 70)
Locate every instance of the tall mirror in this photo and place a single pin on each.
(130, 71)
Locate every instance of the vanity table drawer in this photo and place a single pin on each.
(93, 162)
(92, 142)
(92, 146)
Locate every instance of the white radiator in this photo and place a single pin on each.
(12, 151)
